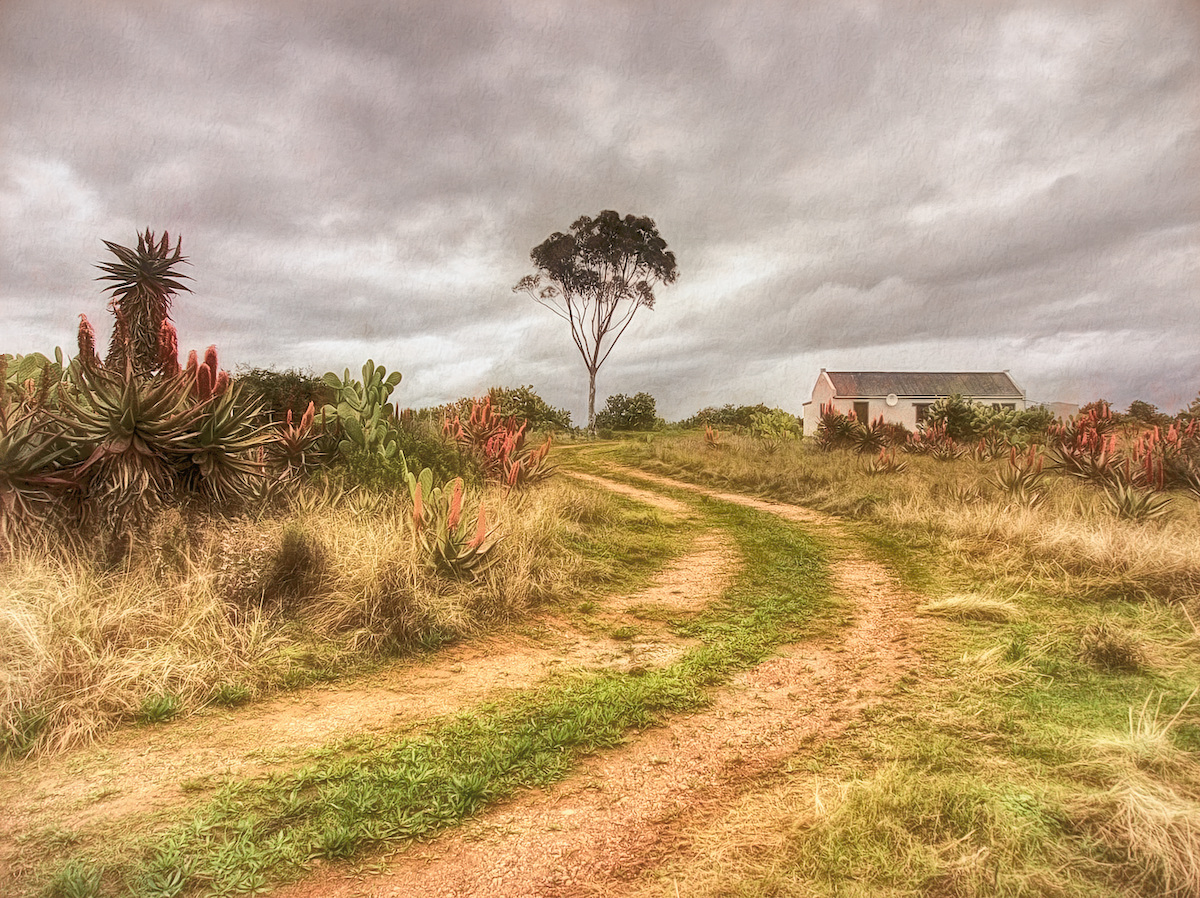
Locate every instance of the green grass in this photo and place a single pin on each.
(384, 794)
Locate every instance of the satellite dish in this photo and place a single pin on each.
(892, 399)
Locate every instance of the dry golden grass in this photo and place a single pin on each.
(80, 648)
(252, 604)
(973, 606)
(1150, 831)
(1069, 544)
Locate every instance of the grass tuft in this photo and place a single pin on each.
(1149, 831)
(1109, 646)
(973, 606)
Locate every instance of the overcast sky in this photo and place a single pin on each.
(848, 185)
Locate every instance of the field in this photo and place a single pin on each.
(691, 669)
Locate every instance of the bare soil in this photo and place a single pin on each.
(596, 833)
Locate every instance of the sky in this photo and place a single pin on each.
(846, 185)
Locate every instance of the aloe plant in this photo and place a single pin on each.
(145, 281)
(1022, 479)
(128, 433)
(453, 542)
(1134, 504)
(292, 448)
(226, 448)
(30, 471)
(361, 410)
(499, 444)
(833, 429)
(886, 463)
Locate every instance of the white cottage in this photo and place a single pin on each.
(903, 397)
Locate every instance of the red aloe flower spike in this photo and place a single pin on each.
(306, 419)
(480, 530)
(222, 383)
(87, 343)
(456, 501)
(168, 349)
(288, 418)
(210, 358)
(204, 382)
(418, 509)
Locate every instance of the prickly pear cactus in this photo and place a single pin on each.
(362, 411)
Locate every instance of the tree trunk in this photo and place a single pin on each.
(592, 401)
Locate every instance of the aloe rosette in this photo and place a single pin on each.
(454, 542)
(31, 451)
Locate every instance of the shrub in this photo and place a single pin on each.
(775, 427)
(621, 412)
(955, 415)
(736, 418)
(281, 392)
(525, 405)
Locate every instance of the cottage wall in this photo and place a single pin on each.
(903, 412)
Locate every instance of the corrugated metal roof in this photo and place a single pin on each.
(923, 383)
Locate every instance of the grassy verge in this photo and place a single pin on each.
(1047, 746)
(261, 831)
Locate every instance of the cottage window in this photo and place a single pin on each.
(922, 411)
(862, 411)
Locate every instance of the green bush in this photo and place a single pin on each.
(730, 416)
(282, 391)
(621, 412)
(524, 403)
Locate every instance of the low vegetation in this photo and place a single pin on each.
(210, 606)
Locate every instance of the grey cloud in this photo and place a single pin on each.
(846, 181)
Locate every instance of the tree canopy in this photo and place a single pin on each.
(596, 278)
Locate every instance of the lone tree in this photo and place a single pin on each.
(596, 278)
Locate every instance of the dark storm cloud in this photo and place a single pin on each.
(845, 184)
